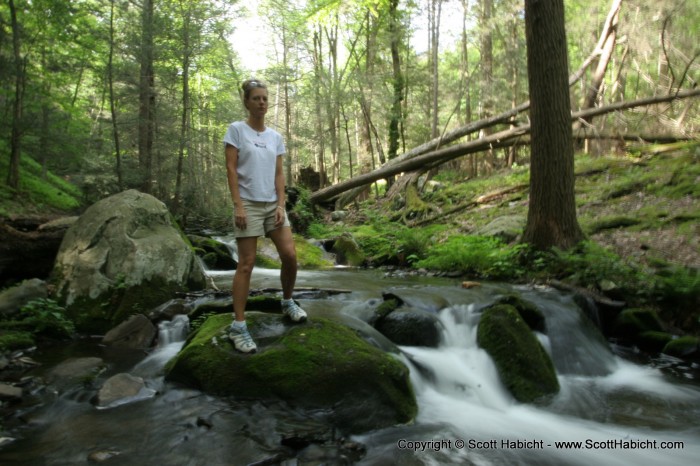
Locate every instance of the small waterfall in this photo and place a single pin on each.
(461, 398)
(171, 338)
(173, 331)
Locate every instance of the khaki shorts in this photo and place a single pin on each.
(260, 219)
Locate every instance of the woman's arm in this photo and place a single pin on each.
(232, 176)
(279, 189)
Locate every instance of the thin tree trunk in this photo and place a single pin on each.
(146, 97)
(184, 118)
(16, 134)
(397, 80)
(607, 46)
(112, 101)
(318, 70)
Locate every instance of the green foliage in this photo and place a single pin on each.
(38, 318)
(13, 340)
(589, 264)
(39, 191)
(48, 318)
(481, 256)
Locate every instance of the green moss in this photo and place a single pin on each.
(348, 251)
(310, 256)
(320, 363)
(103, 312)
(13, 339)
(523, 365)
(532, 316)
(683, 346)
(611, 223)
(631, 322)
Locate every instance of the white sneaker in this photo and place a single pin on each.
(242, 340)
(293, 311)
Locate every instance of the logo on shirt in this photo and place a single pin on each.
(260, 144)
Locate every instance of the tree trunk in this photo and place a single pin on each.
(289, 158)
(436, 10)
(397, 80)
(606, 46)
(551, 220)
(112, 102)
(486, 67)
(184, 117)
(318, 71)
(16, 136)
(146, 97)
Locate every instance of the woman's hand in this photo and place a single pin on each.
(279, 216)
(241, 219)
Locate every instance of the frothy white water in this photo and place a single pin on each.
(171, 338)
(459, 394)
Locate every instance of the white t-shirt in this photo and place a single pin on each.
(257, 160)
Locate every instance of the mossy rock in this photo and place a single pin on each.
(523, 365)
(215, 254)
(317, 365)
(653, 341)
(533, 317)
(347, 251)
(683, 347)
(309, 256)
(634, 321)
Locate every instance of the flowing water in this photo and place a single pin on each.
(613, 407)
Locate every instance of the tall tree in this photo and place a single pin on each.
(112, 99)
(551, 219)
(16, 137)
(147, 96)
(397, 78)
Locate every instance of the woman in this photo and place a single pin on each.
(256, 181)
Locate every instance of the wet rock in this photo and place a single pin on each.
(687, 347)
(411, 327)
(523, 365)
(101, 456)
(136, 333)
(317, 365)
(215, 254)
(121, 389)
(168, 310)
(75, 371)
(12, 299)
(10, 392)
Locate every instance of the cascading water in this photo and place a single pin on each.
(466, 416)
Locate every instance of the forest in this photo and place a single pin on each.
(118, 94)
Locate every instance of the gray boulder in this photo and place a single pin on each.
(138, 332)
(124, 255)
(13, 299)
(411, 327)
(122, 389)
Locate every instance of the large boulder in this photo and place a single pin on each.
(523, 365)
(124, 255)
(320, 365)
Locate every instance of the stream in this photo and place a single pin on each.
(615, 406)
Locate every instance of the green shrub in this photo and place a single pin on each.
(481, 256)
(48, 318)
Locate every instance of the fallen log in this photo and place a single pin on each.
(493, 141)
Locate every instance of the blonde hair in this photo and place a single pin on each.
(248, 86)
